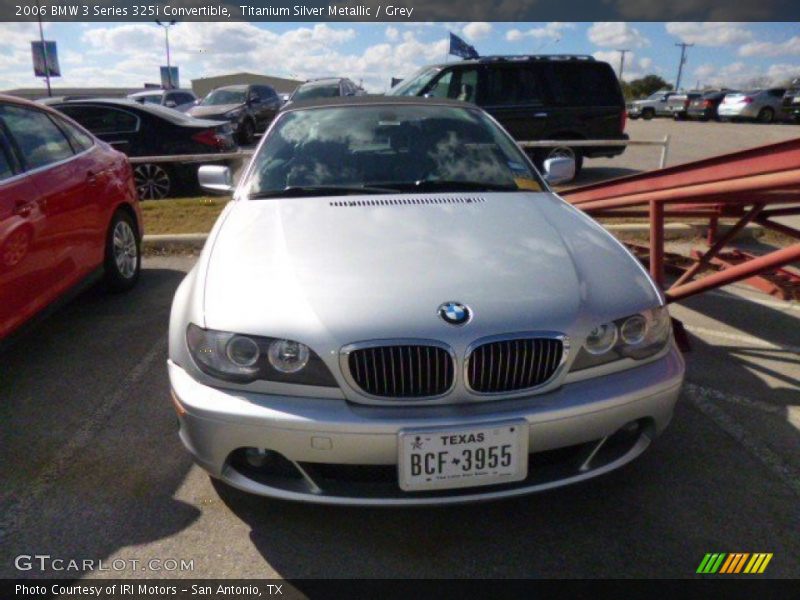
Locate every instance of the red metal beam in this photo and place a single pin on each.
(745, 270)
(771, 158)
(718, 245)
(736, 191)
(657, 243)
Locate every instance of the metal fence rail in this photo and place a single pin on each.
(245, 154)
(664, 144)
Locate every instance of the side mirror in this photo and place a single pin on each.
(255, 98)
(170, 104)
(215, 179)
(559, 170)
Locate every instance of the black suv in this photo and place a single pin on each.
(249, 108)
(547, 97)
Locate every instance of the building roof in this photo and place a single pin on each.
(36, 93)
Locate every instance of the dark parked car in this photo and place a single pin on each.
(678, 104)
(249, 109)
(535, 98)
(791, 101)
(152, 130)
(181, 100)
(68, 212)
(705, 107)
(330, 87)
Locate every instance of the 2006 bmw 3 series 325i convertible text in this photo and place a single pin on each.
(395, 309)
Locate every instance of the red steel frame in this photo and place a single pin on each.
(754, 185)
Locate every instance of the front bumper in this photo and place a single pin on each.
(700, 113)
(332, 451)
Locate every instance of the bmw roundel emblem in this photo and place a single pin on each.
(454, 313)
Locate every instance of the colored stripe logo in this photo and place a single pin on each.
(734, 563)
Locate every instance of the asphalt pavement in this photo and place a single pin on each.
(93, 469)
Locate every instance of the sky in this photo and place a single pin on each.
(129, 54)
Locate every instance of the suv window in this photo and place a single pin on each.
(39, 140)
(457, 84)
(182, 98)
(79, 140)
(509, 86)
(584, 84)
(101, 119)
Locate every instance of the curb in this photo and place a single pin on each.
(184, 241)
(672, 231)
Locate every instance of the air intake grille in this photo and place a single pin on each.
(509, 365)
(403, 371)
(407, 201)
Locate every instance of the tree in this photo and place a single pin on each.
(644, 86)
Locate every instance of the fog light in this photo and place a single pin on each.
(257, 457)
(631, 427)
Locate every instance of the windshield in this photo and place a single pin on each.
(388, 149)
(414, 84)
(150, 99)
(308, 92)
(218, 97)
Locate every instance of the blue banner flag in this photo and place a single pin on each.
(45, 59)
(459, 47)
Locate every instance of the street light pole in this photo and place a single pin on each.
(166, 27)
(622, 54)
(683, 46)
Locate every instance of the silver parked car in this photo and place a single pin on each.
(655, 105)
(396, 309)
(764, 106)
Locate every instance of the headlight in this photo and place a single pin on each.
(601, 339)
(247, 358)
(287, 356)
(638, 336)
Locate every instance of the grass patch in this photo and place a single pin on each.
(182, 215)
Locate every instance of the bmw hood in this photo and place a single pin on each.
(331, 271)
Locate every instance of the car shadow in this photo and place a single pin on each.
(91, 460)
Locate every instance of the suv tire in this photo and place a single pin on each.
(648, 113)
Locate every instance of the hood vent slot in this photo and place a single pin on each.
(408, 201)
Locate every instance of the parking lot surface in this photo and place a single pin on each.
(689, 140)
(93, 468)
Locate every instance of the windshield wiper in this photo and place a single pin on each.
(297, 191)
(447, 185)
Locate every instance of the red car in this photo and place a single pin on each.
(68, 212)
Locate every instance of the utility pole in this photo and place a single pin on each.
(44, 52)
(683, 46)
(622, 54)
(166, 27)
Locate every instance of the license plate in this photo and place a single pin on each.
(463, 457)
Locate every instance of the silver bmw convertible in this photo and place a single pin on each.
(395, 309)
